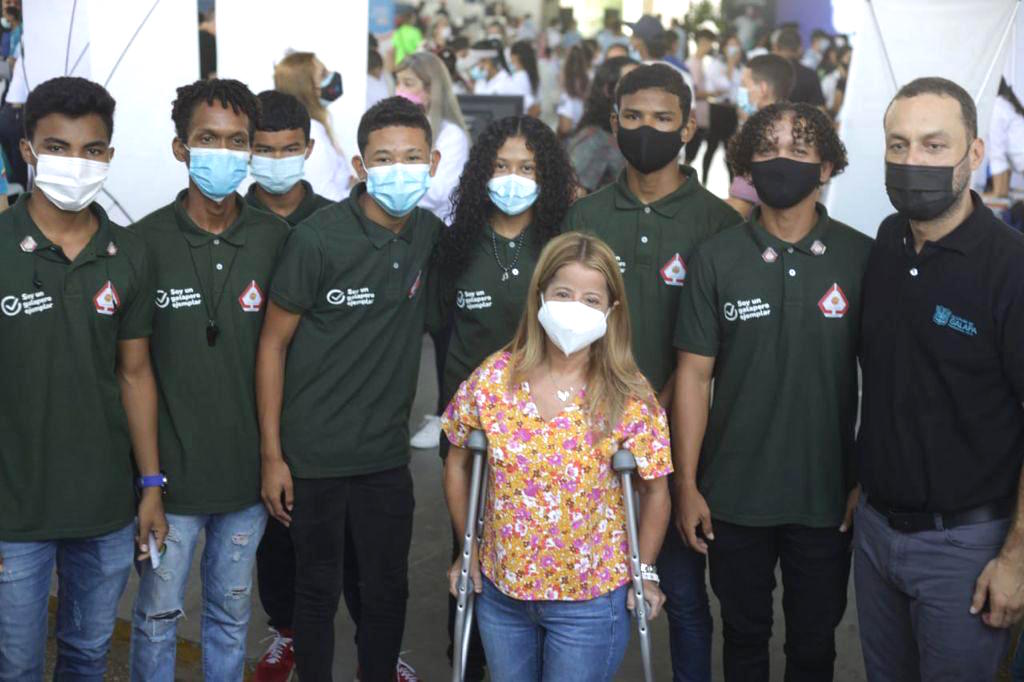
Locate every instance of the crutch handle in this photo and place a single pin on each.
(477, 441)
(623, 461)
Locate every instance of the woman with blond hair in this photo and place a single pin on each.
(423, 79)
(556, 403)
(305, 77)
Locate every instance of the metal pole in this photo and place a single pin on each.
(477, 444)
(625, 465)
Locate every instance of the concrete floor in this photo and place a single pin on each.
(425, 636)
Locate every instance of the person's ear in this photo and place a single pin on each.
(613, 118)
(826, 172)
(309, 147)
(359, 168)
(690, 129)
(179, 151)
(435, 158)
(110, 154)
(25, 147)
(976, 153)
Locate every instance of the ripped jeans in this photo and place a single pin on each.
(91, 575)
(226, 569)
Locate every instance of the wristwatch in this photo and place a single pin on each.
(649, 572)
(154, 481)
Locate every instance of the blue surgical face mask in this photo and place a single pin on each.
(398, 187)
(743, 101)
(217, 172)
(511, 193)
(478, 73)
(277, 176)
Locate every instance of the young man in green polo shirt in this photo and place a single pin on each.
(771, 313)
(280, 147)
(77, 399)
(653, 217)
(213, 255)
(336, 376)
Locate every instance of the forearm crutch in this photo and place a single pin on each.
(624, 463)
(477, 445)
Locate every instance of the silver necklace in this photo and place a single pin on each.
(518, 250)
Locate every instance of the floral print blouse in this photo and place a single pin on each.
(554, 520)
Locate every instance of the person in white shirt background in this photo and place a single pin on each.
(423, 78)
(377, 87)
(492, 75)
(305, 77)
(522, 60)
(1005, 143)
(722, 75)
(575, 81)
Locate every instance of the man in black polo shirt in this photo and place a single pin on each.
(770, 313)
(336, 377)
(213, 256)
(280, 147)
(77, 397)
(939, 546)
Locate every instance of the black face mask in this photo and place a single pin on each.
(648, 149)
(921, 192)
(331, 89)
(781, 183)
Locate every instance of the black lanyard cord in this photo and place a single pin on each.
(212, 330)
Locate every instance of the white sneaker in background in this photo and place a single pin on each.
(428, 435)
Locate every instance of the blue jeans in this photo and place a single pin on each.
(552, 641)
(91, 575)
(686, 605)
(226, 569)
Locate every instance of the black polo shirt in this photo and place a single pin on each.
(310, 204)
(942, 351)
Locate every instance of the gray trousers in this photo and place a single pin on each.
(913, 598)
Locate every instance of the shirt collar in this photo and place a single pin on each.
(28, 238)
(252, 198)
(667, 206)
(197, 236)
(379, 235)
(819, 233)
(964, 236)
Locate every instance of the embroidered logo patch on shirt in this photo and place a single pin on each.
(817, 248)
(416, 285)
(251, 298)
(28, 245)
(944, 317)
(834, 304)
(674, 271)
(106, 299)
(769, 255)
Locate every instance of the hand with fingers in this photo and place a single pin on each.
(151, 520)
(1000, 588)
(278, 492)
(653, 596)
(692, 512)
(474, 575)
(851, 505)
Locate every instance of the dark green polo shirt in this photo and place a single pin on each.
(486, 310)
(310, 204)
(782, 322)
(65, 455)
(352, 366)
(209, 436)
(653, 245)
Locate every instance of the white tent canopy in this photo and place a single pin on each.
(898, 41)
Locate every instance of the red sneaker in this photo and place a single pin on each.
(405, 673)
(278, 663)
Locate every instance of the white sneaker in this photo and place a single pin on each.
(428, 435)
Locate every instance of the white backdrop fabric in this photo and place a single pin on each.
(967, 42)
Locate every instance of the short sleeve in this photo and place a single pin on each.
(645, 435)
(137, 321)
(697, 325)
(296, 282)
(462, 416)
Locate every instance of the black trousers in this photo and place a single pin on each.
(724, 121)
(378, 508)
(275, 574)
(815, 571)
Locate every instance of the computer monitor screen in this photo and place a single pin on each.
(480, 110)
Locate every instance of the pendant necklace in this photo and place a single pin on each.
(517, 245)
(212, 329)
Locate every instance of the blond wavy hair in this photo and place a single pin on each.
(613, 377)
(432, 72)
(296, 75)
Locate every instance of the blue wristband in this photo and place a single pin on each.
(155, 481)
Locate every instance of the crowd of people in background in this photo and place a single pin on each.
(249, 362)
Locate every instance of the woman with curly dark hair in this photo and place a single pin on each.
(512, 196)
(592, 148)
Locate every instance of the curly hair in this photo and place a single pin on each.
(597, 110)
(228, 92)
(810, 125)
(471, 204)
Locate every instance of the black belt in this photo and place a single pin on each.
(917, 521)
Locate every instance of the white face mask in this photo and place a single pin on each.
(70, 183)
(571, 325)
